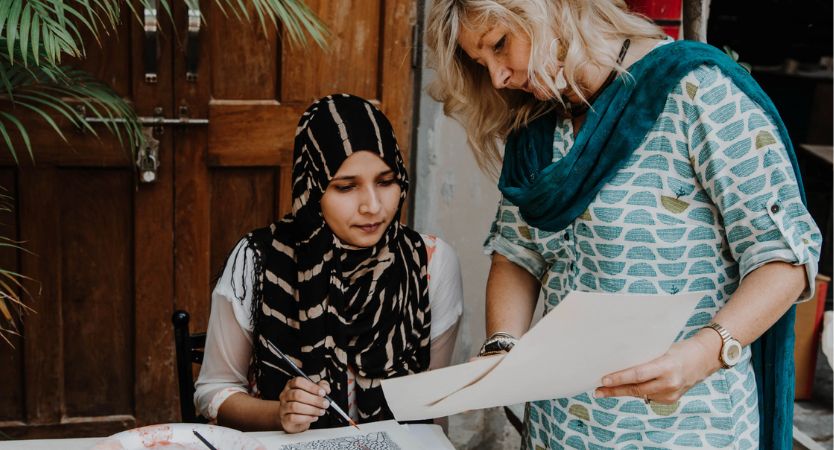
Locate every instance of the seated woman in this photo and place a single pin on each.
(339, 285)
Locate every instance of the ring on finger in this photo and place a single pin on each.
(646, 399)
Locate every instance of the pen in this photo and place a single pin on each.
(295, 368)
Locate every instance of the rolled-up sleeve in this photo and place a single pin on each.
(511, 237)
(742, 162)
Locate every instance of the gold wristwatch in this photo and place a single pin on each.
(730, 353)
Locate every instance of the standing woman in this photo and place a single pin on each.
(339, 285)
(634, 164)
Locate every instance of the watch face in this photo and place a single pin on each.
(731, 352)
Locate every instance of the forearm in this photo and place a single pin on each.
(247, 413)
(511, 297)
(761, 299)
(763, 296)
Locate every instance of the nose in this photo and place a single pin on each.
(500, 75)
(369, 203)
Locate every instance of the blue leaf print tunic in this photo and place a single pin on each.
(708, 197)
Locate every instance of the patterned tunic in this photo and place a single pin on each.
(708, 197)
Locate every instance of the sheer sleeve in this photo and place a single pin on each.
(445, 286)
(228, 348)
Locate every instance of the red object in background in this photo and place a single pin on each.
(674, 31)
(807, 329)
(658, 9)
(666, 13)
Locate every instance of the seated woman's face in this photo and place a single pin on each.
(361, 199)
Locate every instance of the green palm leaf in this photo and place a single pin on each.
(59, 24)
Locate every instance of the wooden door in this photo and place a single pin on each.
(96, 355)
(114, 258)
(235, 175)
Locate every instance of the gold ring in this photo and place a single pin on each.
(646, 399)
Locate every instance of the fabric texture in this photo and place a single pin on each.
(228, 352)
(329, 305)
(552, 195)
(226, 365)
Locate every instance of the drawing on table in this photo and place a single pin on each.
(371, 441)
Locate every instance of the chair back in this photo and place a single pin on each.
(189, 350)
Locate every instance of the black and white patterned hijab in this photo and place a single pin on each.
(329, 305)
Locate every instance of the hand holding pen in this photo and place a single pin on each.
(303, 401)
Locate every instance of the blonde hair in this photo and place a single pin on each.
(575, 30)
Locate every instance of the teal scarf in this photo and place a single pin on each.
(550, 196)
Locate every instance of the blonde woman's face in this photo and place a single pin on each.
(361, 200)
(505, 53)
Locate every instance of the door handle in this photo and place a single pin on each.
(151, 42)
(192, 45)
(147, 156)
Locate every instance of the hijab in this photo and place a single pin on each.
(326, 304)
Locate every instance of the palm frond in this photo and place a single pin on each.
(51, 91)
(57, 26)
(53, 28)
(12, 290)
(297, 19)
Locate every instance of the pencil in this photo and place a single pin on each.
(300, 373)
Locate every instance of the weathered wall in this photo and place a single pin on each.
(455, 201)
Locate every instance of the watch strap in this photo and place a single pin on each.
(497, 343)
(725, 335)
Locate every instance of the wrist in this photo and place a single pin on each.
(710, 343)
(497, 342)
(275, 414)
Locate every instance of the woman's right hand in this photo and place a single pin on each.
(302, 403)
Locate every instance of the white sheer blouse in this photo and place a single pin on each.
(225, 368)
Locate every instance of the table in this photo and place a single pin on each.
(429, 436)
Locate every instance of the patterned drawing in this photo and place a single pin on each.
(371, 441)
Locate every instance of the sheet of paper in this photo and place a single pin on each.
(386, 435)
(567, 352)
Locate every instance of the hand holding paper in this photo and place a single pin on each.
(568, 351)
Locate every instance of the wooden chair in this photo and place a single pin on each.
(189, 351)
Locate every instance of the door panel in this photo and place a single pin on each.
(350, 64)
(11, 353)
(97, 290)
(242, 199)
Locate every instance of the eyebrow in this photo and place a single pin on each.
(353, 177)
(481, 39)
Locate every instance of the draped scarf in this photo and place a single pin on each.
(550, 196)
(326, 304)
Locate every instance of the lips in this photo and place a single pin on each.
(369, 228)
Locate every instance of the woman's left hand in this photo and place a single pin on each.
(667, 378)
